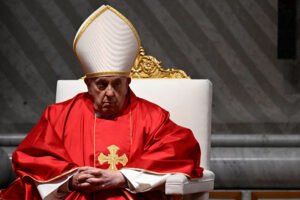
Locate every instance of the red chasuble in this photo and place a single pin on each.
(70, 135)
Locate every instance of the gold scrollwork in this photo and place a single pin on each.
(146, 66)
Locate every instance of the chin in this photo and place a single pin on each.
(108, 113)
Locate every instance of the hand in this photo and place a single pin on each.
(90, 179)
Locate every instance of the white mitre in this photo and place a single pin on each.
(106, 44)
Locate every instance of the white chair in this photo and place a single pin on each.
(189, 104)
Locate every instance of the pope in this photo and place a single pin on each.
(106, 143)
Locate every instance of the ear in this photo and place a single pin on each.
(88, 84)
(128, 80)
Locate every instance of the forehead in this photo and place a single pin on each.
(109, 78)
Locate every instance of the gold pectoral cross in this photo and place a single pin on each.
(112, 158)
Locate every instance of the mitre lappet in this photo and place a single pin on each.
(106, 44)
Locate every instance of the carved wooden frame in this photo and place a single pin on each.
(146, 66)
(275, 195)
(225, 195)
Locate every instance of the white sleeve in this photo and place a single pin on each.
(141, 181)
(56, 189)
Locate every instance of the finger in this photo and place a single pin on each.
(85, 168)
(84, 185)
(95, 181)
(95, 172)
(102, 187)
(82, 177)
(90, 188)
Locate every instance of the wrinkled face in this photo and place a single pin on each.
(109, 94)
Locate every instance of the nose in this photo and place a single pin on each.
(109, 91)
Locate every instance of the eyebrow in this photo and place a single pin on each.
(113, 80)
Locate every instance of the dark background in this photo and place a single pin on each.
(233, 43)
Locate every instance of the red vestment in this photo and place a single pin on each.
(69, 136)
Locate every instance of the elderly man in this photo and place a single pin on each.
(105, 143)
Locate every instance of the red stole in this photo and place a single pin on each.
(112, 141)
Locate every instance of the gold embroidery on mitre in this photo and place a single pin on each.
(112, 158)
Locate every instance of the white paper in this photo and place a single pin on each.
(49, 191)
(142, 181)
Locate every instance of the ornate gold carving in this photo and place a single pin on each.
(146, 66)
(112, 158)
